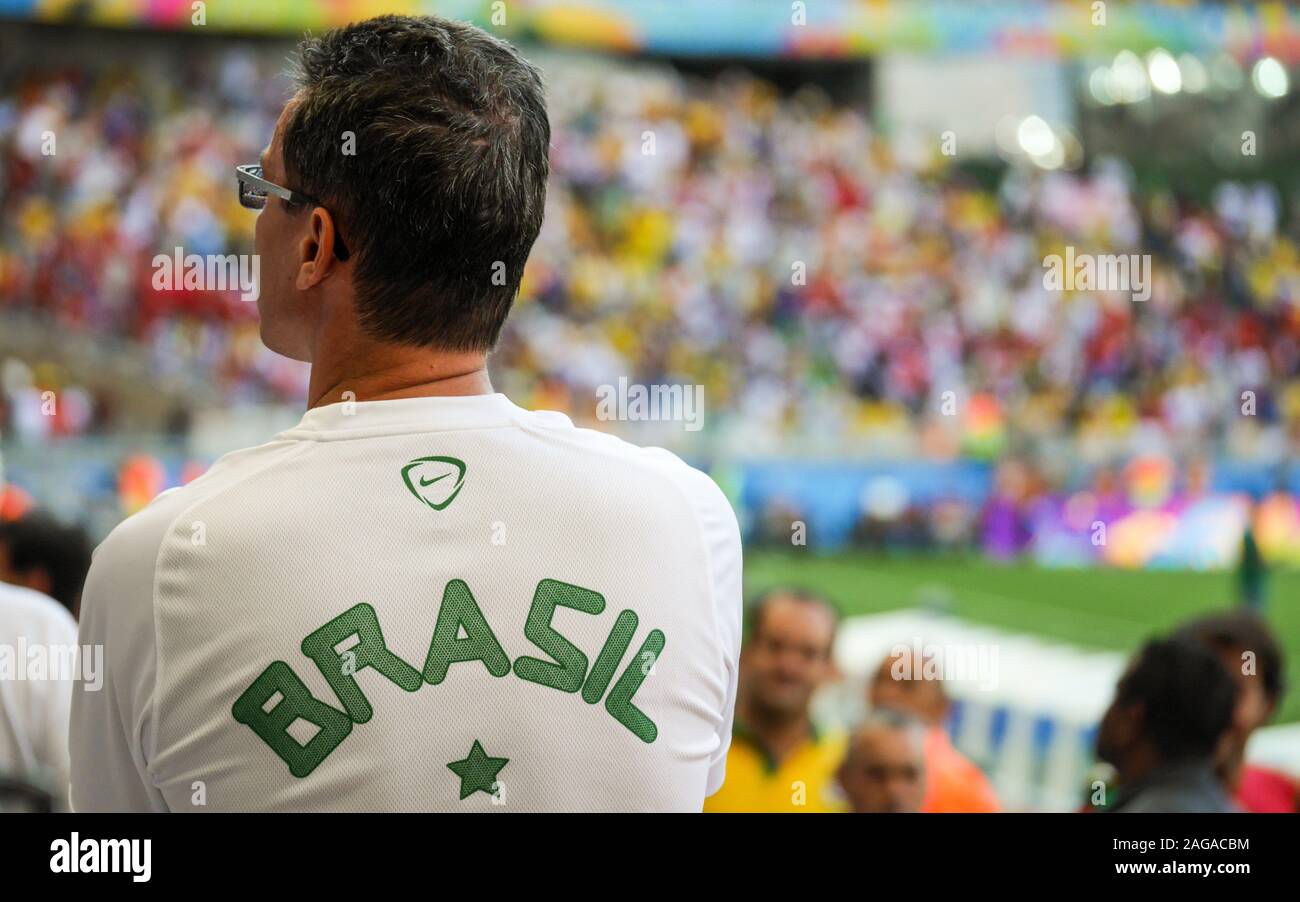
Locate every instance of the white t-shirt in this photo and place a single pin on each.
(38, 640)
(432, 604)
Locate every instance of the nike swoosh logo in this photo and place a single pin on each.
(424, 488)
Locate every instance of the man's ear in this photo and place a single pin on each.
(316, 249)
(1132, 721)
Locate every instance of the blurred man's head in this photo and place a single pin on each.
(39, 552)
(1250, 652)
(788, 652)
(884, 769)
(1173, 704)
(421, 146)
(900, 684)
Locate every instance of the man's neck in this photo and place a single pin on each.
(371, 371)
(1139, 764)
(778, 734)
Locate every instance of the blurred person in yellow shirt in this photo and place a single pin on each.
(779, 761)
(954, 784)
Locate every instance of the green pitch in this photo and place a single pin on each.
(1095, 608)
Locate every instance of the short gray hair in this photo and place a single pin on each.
(890, 719)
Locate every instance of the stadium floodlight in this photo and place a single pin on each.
(1099, 86)
(1163, 71)
(1035, 136)
(1128, 78)
(1195, 79)
(1270, 78)
(1040, 143)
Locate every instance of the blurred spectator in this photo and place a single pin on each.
(1006, 527)
(884, 769)
(14, 502)
(778, 760)
(38, 552)
(1252, 569)
(1251, 653)
(953, 783)
(1172, 708)
(34, 711)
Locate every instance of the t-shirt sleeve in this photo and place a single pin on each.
(63, 632)
(721, 535)
(111, 731)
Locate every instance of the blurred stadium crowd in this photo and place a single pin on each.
(770, 247)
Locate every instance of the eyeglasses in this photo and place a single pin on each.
(253, 190)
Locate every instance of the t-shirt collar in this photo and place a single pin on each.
(426, 414)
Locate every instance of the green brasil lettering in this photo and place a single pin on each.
(278, 698)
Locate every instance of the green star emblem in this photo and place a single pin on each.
(477, 771)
